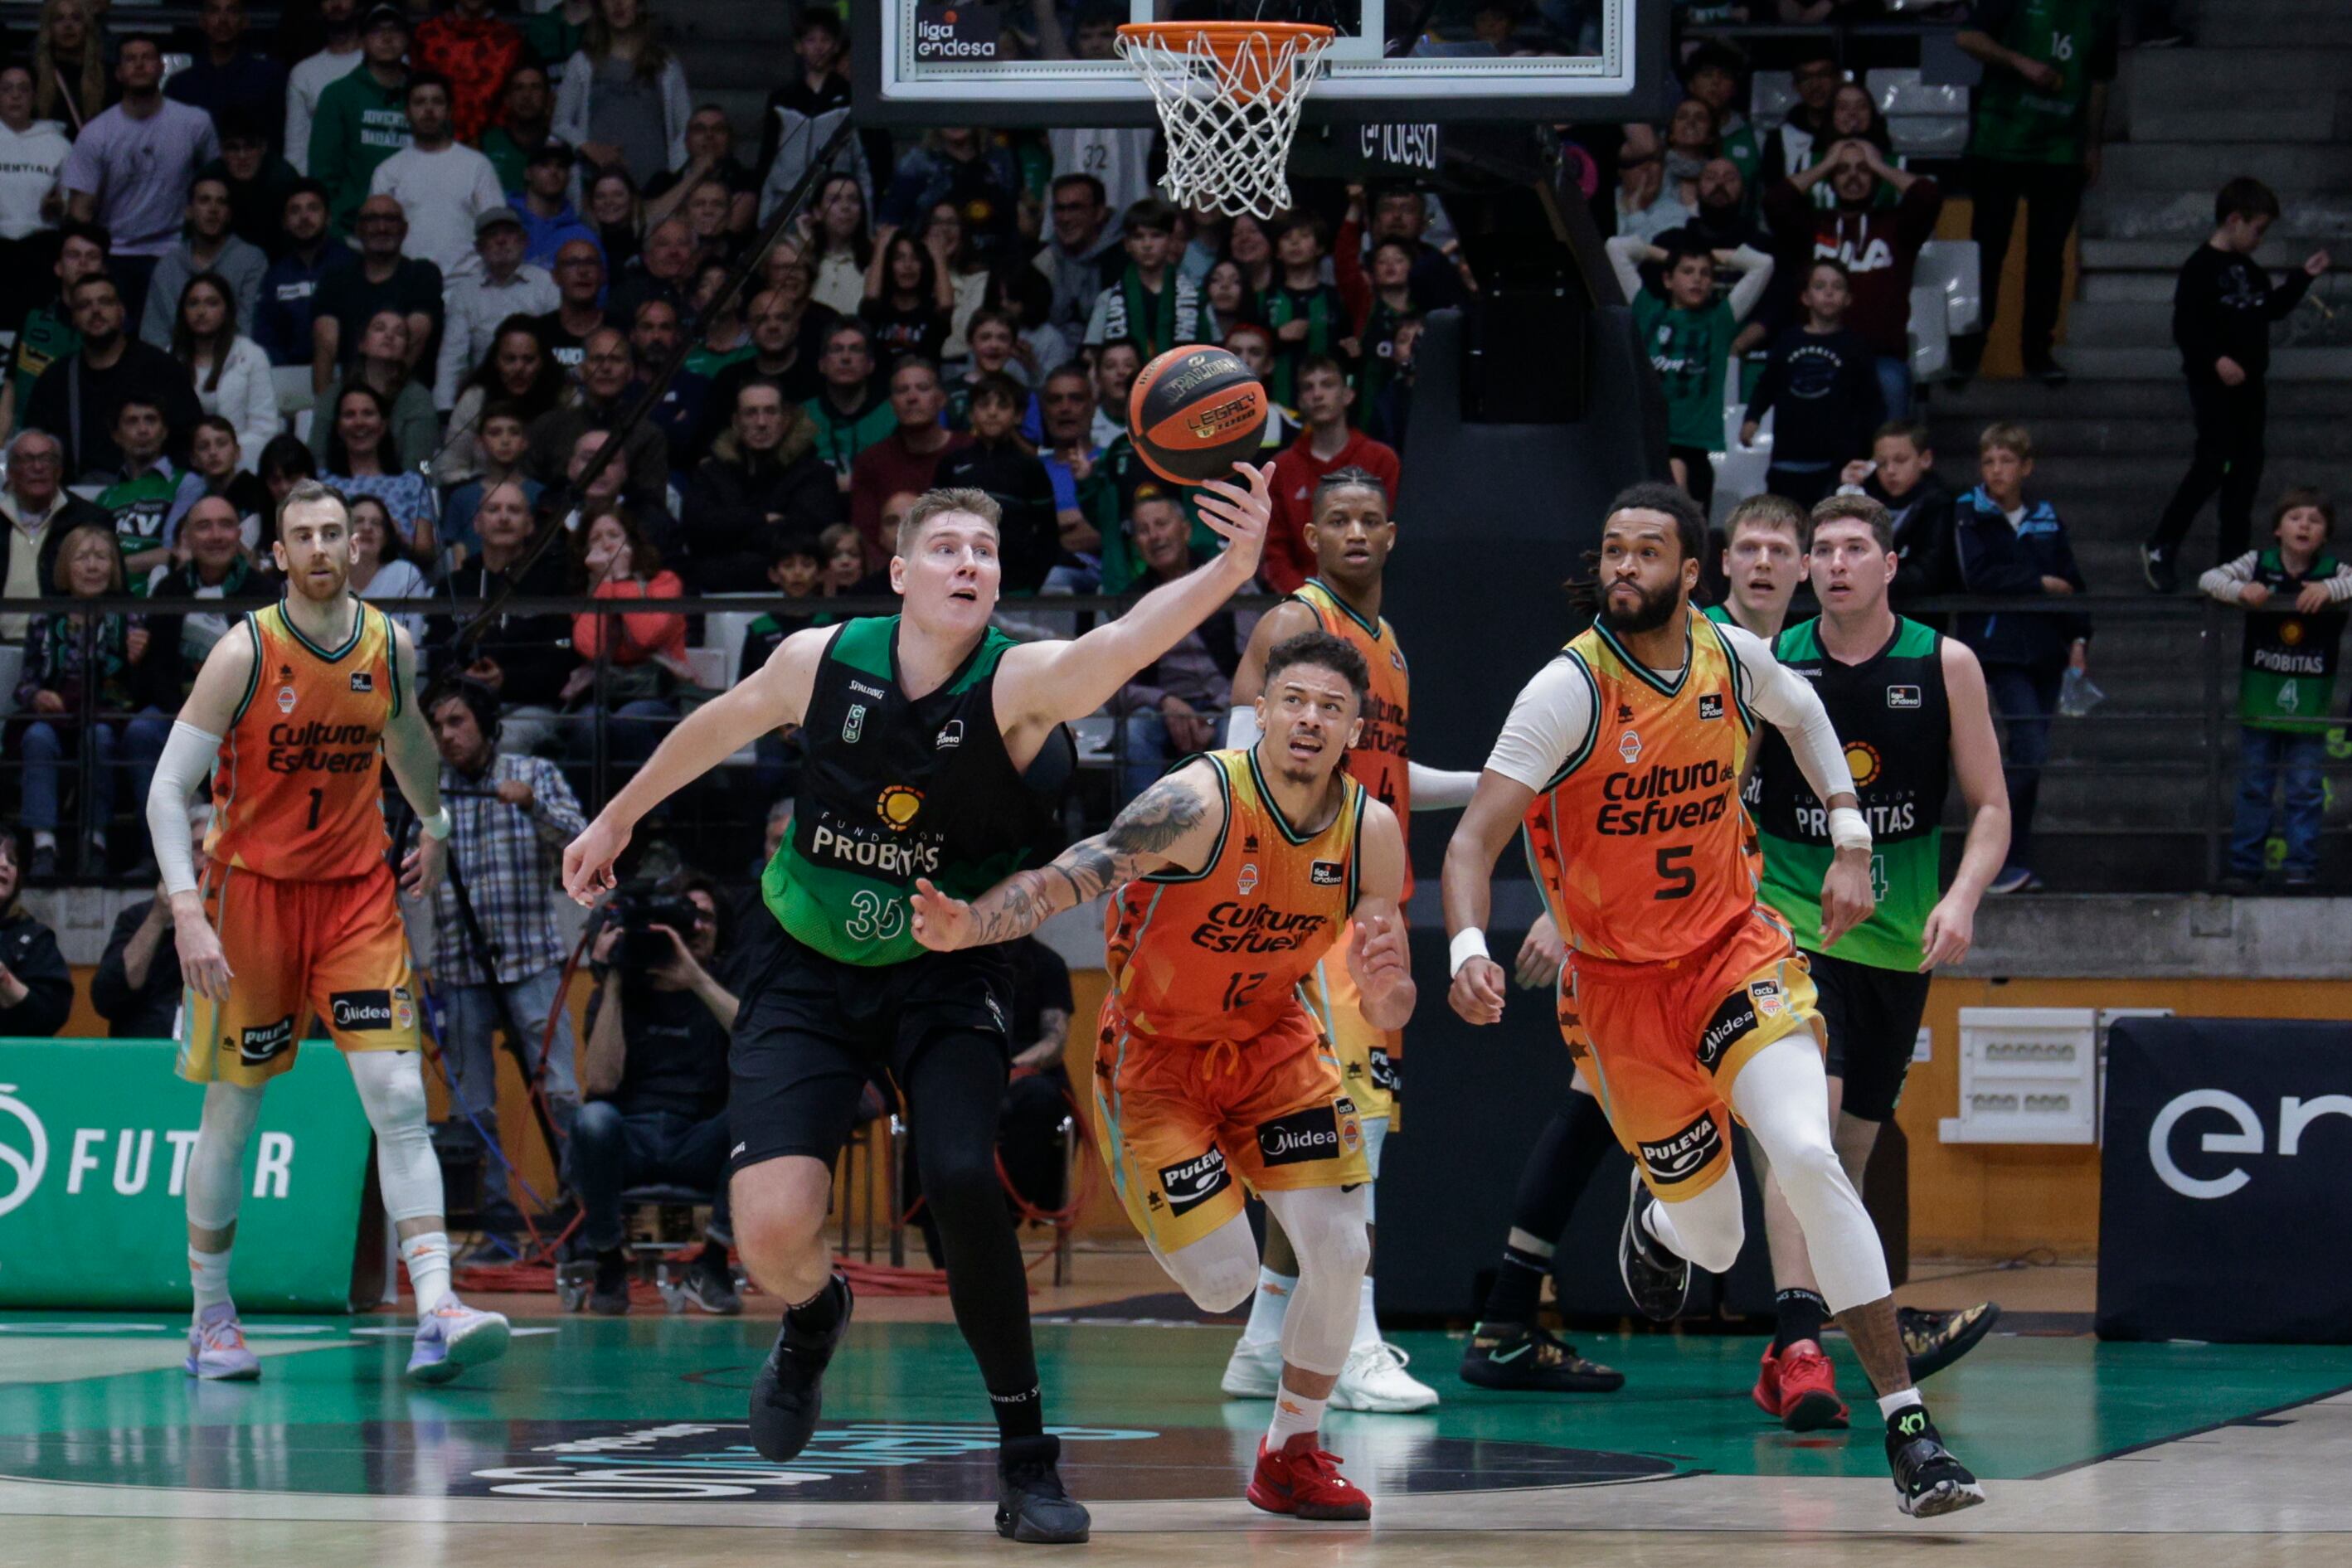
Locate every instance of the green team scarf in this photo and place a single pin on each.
(1161, 314)
(1279, 310)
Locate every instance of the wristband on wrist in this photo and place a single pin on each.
(1468, 943)
(437, 825)
(1848, 831)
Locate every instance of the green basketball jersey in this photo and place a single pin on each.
(1891, 713)
(2018, 122)
(894, 787)
(2287, 679)
(1689, 350)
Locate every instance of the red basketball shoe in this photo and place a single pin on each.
(1299, 1479)
(1799, 1389)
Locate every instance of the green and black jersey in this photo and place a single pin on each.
(895, 788)
(1893, 718)
(2288, 676)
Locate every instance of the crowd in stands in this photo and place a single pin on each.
(439, 278)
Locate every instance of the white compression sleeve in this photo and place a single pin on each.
(1440, 789)
(391, 1091)
(187, 759)
(1787, 701)
(1326, 1226)
(1241, 728)
(218, 1157)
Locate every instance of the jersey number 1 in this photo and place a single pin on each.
(318, 798)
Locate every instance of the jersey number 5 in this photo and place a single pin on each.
(875, 917)
(1675, 877)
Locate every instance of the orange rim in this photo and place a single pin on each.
(1247, 50)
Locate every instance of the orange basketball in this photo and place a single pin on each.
(1195, 412)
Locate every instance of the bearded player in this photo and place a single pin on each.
(1235, 875)
(1686, 1000)
(297, 915)
(1350, 532)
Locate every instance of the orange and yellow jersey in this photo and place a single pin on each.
(1217, 954)
(1640, 841)
(1378, 759)
(297, 792)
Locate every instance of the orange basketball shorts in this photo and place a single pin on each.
(1664, 1042)
(1185, 1123)
(1372, 1060)
(331, 949)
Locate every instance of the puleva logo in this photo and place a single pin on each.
(25, 1164)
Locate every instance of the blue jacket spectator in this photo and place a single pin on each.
(1997, 556)
(970, 168)
(281, 322)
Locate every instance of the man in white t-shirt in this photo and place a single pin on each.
(31, 152)
(314, 75)
(1121, 158)
(442, 186)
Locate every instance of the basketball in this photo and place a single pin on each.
(1195, 412)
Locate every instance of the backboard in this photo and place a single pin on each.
(958, 62)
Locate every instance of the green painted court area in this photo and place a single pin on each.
(650, 1408)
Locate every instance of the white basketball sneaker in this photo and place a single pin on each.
(1375, 1380)
(1253, 1371)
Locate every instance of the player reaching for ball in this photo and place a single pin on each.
(1687, 999)
(918, 727)
(295, 915)
(1233, 877)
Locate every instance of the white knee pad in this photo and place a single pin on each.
(1326, 1226)
(1219, 1271)
(1782, 1096)
(1708, 1229)
(216, 1164)
(391, 1091)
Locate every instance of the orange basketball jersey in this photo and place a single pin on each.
(1217, 954)
(1378, 760)
(296, 793)
(1641, 844)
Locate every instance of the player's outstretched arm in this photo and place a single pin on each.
(776, 694)
(1053, 683)
(188, 754)
(1976, 759)
(1381, 957)
(1788, 702)
(1175, 823)
(1487, 824)
(415, 764)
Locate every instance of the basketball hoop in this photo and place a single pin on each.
(1229, 95)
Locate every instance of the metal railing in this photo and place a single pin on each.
(2161, 724)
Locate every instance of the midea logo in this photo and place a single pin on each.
(25, 1171)
(2295, 1114)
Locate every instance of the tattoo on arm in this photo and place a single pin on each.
(1135, 843)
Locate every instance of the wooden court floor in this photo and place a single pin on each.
(621, 1441)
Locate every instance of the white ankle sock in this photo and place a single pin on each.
(427, 1258)
(1267, 1305)
(1895, 1404)
(1293, 1414)
(208, 1277)
(1368, 1327)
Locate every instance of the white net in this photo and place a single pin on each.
(1229, 103)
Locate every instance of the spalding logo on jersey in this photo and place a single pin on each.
(1684, 1155)
(1195, 1181)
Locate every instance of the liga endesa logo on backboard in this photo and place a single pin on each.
(957, 34)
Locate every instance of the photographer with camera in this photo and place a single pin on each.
(511, 817)
(656, 1077)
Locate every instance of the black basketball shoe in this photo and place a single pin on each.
(1518, 1359)
(1031, 1505)
(1934, 1340)
(785, 1396)
(1658, 1281)
(1929, 1480)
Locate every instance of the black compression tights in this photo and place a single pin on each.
(955, 1089)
